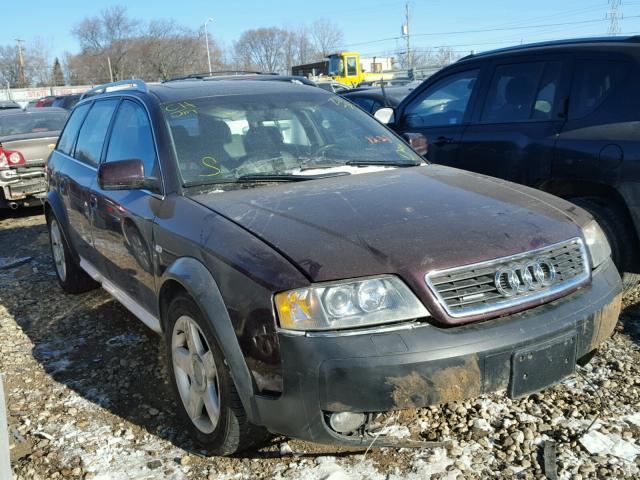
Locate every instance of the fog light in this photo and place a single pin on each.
(346, 422)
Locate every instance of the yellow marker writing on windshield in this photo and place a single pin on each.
(209, 162)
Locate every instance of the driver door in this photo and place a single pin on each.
(441, 112)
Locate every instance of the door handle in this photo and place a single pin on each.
(441, 140)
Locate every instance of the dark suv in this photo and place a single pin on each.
(562, 117)
(307, 268)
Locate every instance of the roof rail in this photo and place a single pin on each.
(217, 73)
(552, 43)
(138, 85)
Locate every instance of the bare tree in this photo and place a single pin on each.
(109, 35)
(445, 56)
(326, 37)
(37, 69)
(9, 70)
(262, 49)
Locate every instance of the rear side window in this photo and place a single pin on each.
(70, 132)
(512, 93)
(131, 137)
(443, 103)
(93, 131)
(593, 81)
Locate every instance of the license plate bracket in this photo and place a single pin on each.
(539, 366)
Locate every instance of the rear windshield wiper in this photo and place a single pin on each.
(284, 177)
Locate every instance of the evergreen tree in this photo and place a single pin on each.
(57, 76)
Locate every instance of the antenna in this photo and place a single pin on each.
(614, 15)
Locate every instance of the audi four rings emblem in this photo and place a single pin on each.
(524, 277)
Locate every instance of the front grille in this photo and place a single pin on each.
(502, 283)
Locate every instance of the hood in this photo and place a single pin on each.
(405, 221)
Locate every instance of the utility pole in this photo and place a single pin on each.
(206, 40)
(110, 70)
(614, 15)
(406, 32)
(22, 80)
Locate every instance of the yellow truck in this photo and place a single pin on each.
(343, 67)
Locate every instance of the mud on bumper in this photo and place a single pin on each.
(424, 365)
(23, 193)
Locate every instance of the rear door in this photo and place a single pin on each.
(516, 124)
(601, 129)
(123, 219)
(441, 111)
(78, 175)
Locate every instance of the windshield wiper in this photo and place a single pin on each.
(284, 177)
(384, 163)
(265, 177)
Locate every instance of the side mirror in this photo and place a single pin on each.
(122, 175)
(418, 142)
(385, 115)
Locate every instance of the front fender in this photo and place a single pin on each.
(196, 279)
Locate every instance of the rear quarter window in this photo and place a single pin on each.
(594, 81)
(70, 132)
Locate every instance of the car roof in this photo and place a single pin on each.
(551, 45)
(176, 91)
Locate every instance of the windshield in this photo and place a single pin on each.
(336, 66)
(221, 139)
(31, 122)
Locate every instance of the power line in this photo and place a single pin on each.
(485, 30)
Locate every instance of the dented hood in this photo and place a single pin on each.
(406, 221)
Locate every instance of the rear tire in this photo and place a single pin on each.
(207, 399)
(71, 277)
(620, 235)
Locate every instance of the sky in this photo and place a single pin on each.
(372, 27)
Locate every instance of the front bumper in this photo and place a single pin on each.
(423, 364)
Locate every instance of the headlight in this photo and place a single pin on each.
(597, 243)
(346, 304)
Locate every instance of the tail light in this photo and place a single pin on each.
(10, 158)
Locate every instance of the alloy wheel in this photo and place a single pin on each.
(57, 248)
(196, 374)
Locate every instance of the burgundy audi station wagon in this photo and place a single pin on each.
(306, 268)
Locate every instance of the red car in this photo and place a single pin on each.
(45, 101)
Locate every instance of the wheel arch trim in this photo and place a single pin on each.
(194, 277)
(53, 205)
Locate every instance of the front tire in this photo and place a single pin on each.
(620, 235)
(70, 276)
(207, 398)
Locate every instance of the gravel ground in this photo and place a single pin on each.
(87, 398)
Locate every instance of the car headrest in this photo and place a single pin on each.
(518, 90)
(263, 139)
(216, 130)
